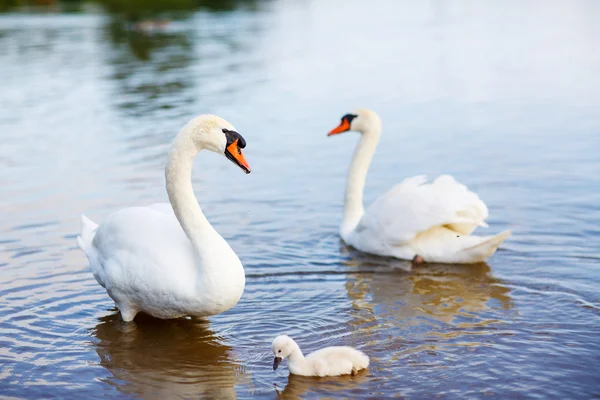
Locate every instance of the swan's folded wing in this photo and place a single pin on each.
(414, 206)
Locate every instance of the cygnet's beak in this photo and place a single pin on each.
(342, 127)
(276, 362)
(234, 153)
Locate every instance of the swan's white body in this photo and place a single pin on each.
(166, 259)
(330, 361)
(432, 220)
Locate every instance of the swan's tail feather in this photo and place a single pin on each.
(88, 231)
(481, 251)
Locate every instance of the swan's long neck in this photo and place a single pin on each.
(178, 174)
(353, 202)
(297, 362)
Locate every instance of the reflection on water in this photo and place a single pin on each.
(136, 10)
(164, 57)
(438, 291)
(441, 302)
(165, 64)
(180, 358)
(298, 386)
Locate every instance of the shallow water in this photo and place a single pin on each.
(504, 96)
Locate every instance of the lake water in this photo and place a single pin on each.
(505, 96)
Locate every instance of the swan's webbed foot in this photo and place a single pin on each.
(418, 260)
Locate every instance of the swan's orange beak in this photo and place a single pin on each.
(234, 153)
(344, 126)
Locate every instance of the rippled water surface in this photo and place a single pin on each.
(505, 96)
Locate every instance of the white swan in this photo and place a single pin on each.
(330, 361)
(167, 260)
(429, 222)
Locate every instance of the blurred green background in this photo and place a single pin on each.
(132, 10)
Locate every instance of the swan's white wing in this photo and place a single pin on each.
(414, 206)
(148, 241)
(143, 257)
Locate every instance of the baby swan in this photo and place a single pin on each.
(330, 361)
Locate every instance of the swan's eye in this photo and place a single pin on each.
(279, 351)
(224, 130)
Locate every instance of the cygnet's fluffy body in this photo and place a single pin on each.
(330, 361)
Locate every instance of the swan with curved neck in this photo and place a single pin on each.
(166, 259)
(415, 220)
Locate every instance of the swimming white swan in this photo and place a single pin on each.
(330, 361)
(429, 222)
(166, 259)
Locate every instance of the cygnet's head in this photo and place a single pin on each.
(216, 134)
(282, 346)
(360, 120)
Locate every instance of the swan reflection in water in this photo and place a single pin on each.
(153, 358)
(298, 386)
(438, 291)
(409, 309)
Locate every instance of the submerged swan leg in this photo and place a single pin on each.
(418, 260)
(128, 314)
(128, 310)
(199, 318)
